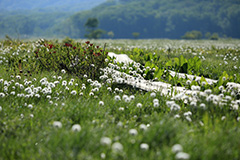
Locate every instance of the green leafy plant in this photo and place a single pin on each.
(224, 79)
(182, 65)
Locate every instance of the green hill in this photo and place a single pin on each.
(161, 18)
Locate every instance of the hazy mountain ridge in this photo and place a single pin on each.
(49, 5)
(31, 18)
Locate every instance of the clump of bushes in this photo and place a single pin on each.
(195, 35)
(213, 36)
(75, 58)
(192, 35)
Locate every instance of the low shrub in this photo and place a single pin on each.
(75, 58)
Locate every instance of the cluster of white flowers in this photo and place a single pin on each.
(180, 155)
(75, 127)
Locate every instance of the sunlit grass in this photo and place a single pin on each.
(56, 115)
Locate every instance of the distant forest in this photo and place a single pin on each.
(131, 19)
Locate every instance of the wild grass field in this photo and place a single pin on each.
(69, 100)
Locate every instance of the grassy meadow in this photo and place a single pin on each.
(58, 100)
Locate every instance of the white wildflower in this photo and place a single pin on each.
(133, 132)
(188, 82)
(57, 124)
(119, 124)
(124, 97)
(220, 88)
(139, 105)
(127, 99)
(143, 127)
(121, 109)
(95, 90)
(153, 94)
(51, 85)
(170, 103)
(175, 107)
(37, 95)
(177, 116)
(21, 86)
(193, 103)
(22, 115)
(188, 118)
(64, 83)
(30, 106)
(76, 128)
(89, 81)
(202, 106)
(156, 105)
(73, 92)
(189, 113)
(144, 146)
(155, 101)
(109, 89)
(18, 77)
(13, 93)
(101, 103)
(120, 80)
(63, 71)
(132, 97)
(182, 156)
(106, 141)
(208, 91)
(223, 118)
(116, 89)
(228, 98)
(177, 148)
(235, 107)
(117, 147)
(238, 119)
(117, 98)
(103, 155)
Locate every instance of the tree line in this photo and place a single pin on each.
(165, 18)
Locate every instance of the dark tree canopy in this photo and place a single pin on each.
(92, 23)
(92, 32)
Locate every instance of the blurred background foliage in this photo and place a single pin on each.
(172, 19)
